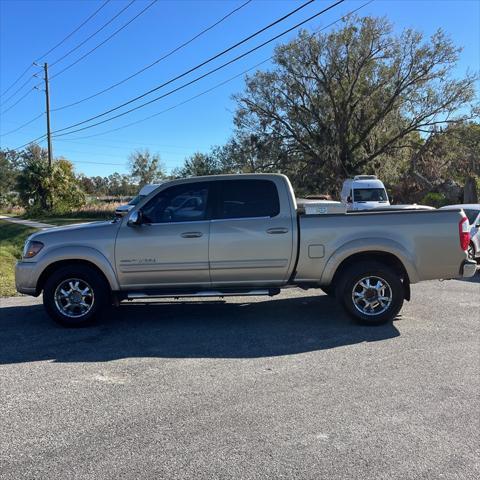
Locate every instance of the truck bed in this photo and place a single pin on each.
(417, 237)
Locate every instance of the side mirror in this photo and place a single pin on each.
(349, 199)
(135, 219)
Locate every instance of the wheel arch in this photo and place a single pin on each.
(94, 260)
(386, 258)
(386, 249)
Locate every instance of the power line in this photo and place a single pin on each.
(191, 81)
(198, 78)
(210, 89)
(223, 52)
(106, 40)
(124, 164)
(167, 163)
(132, 143)
(93, 34)
(171, 52)
(215, 86)
(71, 51)
(19, 100)
(218, 85)
(73, 31)
(22, 126)
(18, 79)
(52, 49)
(113, 155)
(83, 56)
(27, 81)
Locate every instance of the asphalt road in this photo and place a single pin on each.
(252, 388)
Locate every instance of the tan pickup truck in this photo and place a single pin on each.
(241, 235)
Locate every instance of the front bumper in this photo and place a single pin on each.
(26, 277)
(469, 268)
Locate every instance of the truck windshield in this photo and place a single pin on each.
(369, 195)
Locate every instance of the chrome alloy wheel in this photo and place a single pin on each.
(372, 295)
(74, 298)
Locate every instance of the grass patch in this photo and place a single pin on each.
(86, 213)
(12, 238)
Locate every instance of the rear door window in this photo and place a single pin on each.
(246, 199)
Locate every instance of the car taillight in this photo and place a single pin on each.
(464, 232)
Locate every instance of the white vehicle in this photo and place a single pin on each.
(364, 192)
(472, 211)
(144, 191)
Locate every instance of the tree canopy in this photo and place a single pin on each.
(44, 188)
(146, 167)
(346, 102)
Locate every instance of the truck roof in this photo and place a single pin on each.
(229, 176)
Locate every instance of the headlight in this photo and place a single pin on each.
(31, 248)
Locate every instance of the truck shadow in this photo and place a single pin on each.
(266, 328)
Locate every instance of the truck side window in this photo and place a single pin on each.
(247, 198)
(181, 203)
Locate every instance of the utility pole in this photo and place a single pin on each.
(47, 106)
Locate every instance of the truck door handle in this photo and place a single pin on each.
(192, 234)
(276, 231)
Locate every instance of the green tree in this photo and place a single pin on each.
(347, 102)
(146, 167)
(199, 164)
(450, 157)
(86, 184)
(8, 170)
(47, 189)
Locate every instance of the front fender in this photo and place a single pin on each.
(76, 252)
(366, 245)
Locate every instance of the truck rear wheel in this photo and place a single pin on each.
(371, 292)
(74, 296)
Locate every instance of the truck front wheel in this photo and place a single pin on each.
(371, 292)
(75, 295)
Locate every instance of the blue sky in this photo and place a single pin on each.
(29, 28)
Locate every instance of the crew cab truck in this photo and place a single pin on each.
(241, 235)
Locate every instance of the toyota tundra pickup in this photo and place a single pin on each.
(241, 235)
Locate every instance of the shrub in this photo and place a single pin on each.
(43, 189)
(434, 199)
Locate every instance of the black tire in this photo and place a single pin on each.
(374, 271)
(86, 277)
(329, 290)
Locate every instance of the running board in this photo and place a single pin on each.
(207, 293)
